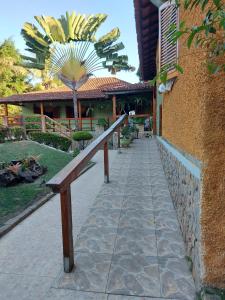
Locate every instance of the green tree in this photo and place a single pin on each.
(69, 48)
(13, 78)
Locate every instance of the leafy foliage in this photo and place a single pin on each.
(72, 27)
(76, 152)
(102, 122)
(125, 142)
(32, 123)
(13, 78)
(51, 139)
(82, 137)
(12, 133)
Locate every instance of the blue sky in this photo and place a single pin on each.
(120, 14)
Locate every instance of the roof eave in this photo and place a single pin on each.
(146, 16)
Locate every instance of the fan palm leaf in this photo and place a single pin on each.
(72, 49)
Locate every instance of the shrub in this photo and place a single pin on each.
(126, 132)
(130, 132)
(125, 142)
(76, 152)
(4, 133)
(81, 137)
(51, 139)
(17, 132)
(102, 122)
(31, 126)
(139, 120)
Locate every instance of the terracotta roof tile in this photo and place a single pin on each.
(92, 89)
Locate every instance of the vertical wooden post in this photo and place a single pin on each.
(106, 163)
(79, 114)
(43, 125)
(6, 114)
(114, 107)
(160, 120)
(154, 115)
(118, 132)
(67, 230)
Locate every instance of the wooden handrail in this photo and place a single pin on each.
(71, 171)
(61, 183)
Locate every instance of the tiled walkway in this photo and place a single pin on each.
(129, 247)
(130, 244)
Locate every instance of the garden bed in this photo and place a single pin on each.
(14, 199)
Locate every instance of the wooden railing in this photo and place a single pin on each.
(52, 125)
(83, 123)
(61, 182)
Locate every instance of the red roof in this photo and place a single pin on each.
(94, 88)
(129, 87)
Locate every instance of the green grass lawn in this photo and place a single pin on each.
(16, 198)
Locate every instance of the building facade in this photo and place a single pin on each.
(191, 136)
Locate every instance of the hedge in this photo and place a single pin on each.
(51, 139)
(81, 137)
(11, 134)
(29, 125)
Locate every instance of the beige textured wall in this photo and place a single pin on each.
(194, 121)
(213, 191)
(182, 106)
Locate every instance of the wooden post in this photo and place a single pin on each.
(43, 125)
(67, 230)
(79, 114)
(118, 132)
(160, 120)
(154, 115)
(6, 115)
(114, 107)
(106, 163)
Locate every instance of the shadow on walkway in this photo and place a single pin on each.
(130, 243)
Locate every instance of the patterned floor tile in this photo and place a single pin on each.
(103, 217)
(137, 181)
(137, 218)
(167, 224)
(134, 275)
(137, 202)
(176, 279)
(113, 188)
(157, 192)
(165, 214)
(136, 241)
(162, 203)
(122, 297)
(89, 275)
(65, 294)
(108, 201)
(132, 190)
(96, 239)
(170, 243)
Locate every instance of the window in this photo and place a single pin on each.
(168, 14)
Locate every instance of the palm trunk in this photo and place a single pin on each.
(75, 108)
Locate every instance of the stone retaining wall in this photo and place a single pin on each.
(184, 186)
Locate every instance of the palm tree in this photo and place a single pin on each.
(69, 49)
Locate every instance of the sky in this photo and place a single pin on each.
(13, 14)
